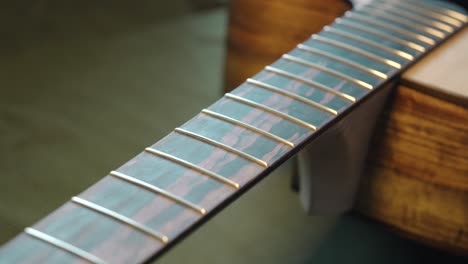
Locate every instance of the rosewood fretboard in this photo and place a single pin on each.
(148, 204)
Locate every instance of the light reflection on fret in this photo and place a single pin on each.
(247, 126)
(361, 27)
(368, 42)
(342, 60)
(371, 11)
(158, 190)
(121, 218)
(63, 245)
(417, 18)
(221, 145)
(356, 50)
(441, 10)
(428, 13)
(405, 32)
(297, 97)
(193, 167)
(270, 110)
(328, 71)
(311, 83)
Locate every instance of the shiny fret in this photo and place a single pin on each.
(63, 245)
(297, 97)
(419, 26)
(329, 71)
(270, 110)
(369, 43)
(121, 218)
(157, 190)
(343, 61)
(193, 167)
(359, 51)
(247, 126)
(360, 27)
(381, 24)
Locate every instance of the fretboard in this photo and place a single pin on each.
(151, 202)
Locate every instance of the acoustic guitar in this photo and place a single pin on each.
(178, 183)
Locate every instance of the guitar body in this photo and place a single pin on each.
(416, 176)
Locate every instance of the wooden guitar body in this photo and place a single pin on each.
(416, 180)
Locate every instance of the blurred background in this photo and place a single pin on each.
(86, 85)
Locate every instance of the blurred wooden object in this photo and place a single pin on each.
(259, 32)
(417, 175)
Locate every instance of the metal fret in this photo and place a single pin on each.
(428, 13)
(342, 60)
(294, 96)
(116, 216)
(247, 126)
(399, 30)
(157, 190)
(63, 245)
(416, 17)
(360, 27)
(431, 31)
(221, 145)
(359, 51)
(441, 10)
(270, 110)
(311, 83)
(193, 167)
(329, 71)
(368, 42)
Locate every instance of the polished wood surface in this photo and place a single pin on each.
(416, 177)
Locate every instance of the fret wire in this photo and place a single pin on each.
(193, 167)
(297, 97)
(359, 51)
(415, 17)
(399, 30)
(431, 31)
(63, 245)
(442, 10)
(366, 29)
(221, 145)
(157, 190)
(311, 83)
(368, 42)
(116, 216)
(247, 126)
(342, 60)
(428, 13)
(270, 110)
(329, 71)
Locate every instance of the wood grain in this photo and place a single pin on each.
(416, 179)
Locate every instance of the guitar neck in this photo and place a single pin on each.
(151, 202)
